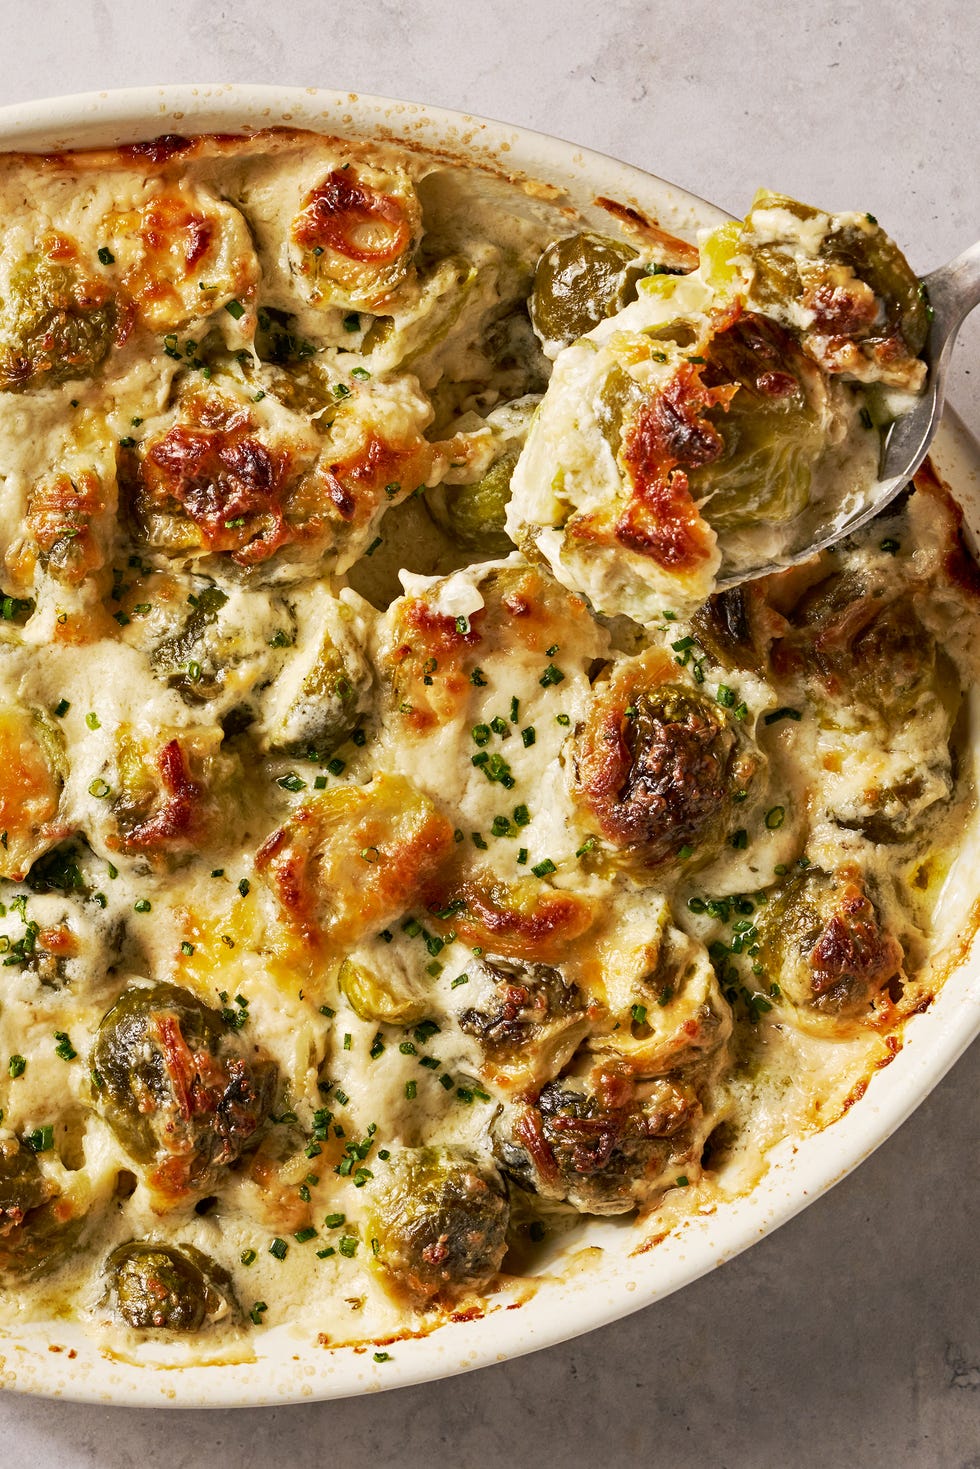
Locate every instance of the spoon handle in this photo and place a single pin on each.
(953, 291)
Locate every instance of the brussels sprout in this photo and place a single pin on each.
(173, 1088)
(658, 766)
(37, 1227)
(475, 514)
(177, 655)
(439, 1217)
(171, 797)
(354, 240)
(33, 769)
(527, 1018)
(56, 325)
(324, 684)
(773, 429)
(388, 998)
(864, 305)
(353, 859)
(822, 941)
(604, 1143)
(156, 1287)
(863, 648)
(730, 626)
(578, 281)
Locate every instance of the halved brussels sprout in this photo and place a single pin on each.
(603, 1141)
(353, 859)
(324, 684)
(843, 284)
(185, 657)
(353, 242)
(474, 514)
(388, 998)
(658, 765)
(578, 281)
(865, 648)
(439, 1216)
(184, 254)
(64, 512)
(823, 942)
(658, 1005)
(33, 770)
(174, 1087)
(38, 1227)
(772, 430)
(158, 1287)
(167, 798)
(56, 323)
(527, 1018)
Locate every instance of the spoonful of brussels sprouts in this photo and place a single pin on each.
(704, 427)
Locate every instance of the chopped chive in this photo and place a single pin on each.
(235, 310)
(542, 869)
(279, 1248)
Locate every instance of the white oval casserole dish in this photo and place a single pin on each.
(602, 1275)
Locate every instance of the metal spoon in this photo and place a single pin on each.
(952, 291)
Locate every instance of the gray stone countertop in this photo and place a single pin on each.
(851, 1336)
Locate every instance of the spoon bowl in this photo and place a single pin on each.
(952, 292)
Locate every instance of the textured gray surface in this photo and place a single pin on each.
(853, 1335)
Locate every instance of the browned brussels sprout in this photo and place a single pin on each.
(156, 1287)
(736, 626)
(57, 324)
(440, 1222)
(578, 282)
(604, 1142)
(171, 1084)
(772, 430)
(823, 942)
(862, 647)
(38, 1227)
(527, 1018)
(33, 771)
(868, 317)
(658, 765)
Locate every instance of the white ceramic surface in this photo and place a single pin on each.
(288, 1365)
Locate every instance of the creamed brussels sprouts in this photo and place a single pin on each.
(407, 852)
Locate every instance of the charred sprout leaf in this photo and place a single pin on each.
(439, 1216)
(157, 1287)
(822, 941)
(578, 282)
(173, 1087)
(56, 325)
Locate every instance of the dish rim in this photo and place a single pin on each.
(288, 1368)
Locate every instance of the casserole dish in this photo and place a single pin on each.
(607, 1269)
